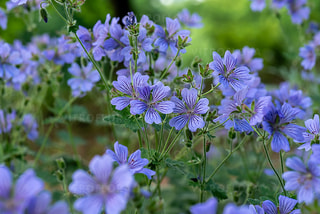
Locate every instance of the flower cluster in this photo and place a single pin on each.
(107, 189)
(26, 195)
(29, 123)
(297, 9)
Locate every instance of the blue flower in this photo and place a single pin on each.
(135, 162)
(19, 2)
(84, 79)
(189, 110)
(245, 58)
(3, 19)
(6, 121)
(258, 5)
(10, 59)
(112, 45)
(151, 102)
(278, 122)
(208, 207)
(279, 3)
(15, 198)
(309, 57)
(313, 136)
(169, 38)
(286, 206)
(233, 209)
(305, 180)
(314, 157)
(298, 11)
(294, 97)
(30, 126)
(256, 209)
(144, 45)
(106, 190)
(226, 73)
(40, 204)
(128, 87)
(211, 205)
(130, 19)
(61, 51)
(189, 20)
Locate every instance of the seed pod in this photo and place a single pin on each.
(61, 164)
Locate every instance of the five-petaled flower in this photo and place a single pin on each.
(189, 110)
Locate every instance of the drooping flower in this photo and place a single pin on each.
(314, 133)
(309, 57)
(189, 20)
(30, 126)
(14, 198)
(151, 102)
(6, 121)
(40, 204)
(169, 37)
(278, 122)
(105, 190)
(208, 207)
(298, 10)
(305, 180)
(286, 206)
(189, 110)
(84, 79)
(135, 162)
(128, 87)
(226, 73)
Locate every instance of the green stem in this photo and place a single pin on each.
(158, 183)
(94, 63)
(211, 90)
(172, 61)
(161, 134)
(65, 188)
(146, 135)
(140, 140)
(136, 55)
(171, 145)
(167, 141)
(270, 162)
(226, 158)
(204, 166)
(282, 164)
(219, 125)
(43, 144)
(75, 151)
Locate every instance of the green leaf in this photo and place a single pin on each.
(254, 201)
(127, 122)
(216, 190)
(178, 166)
